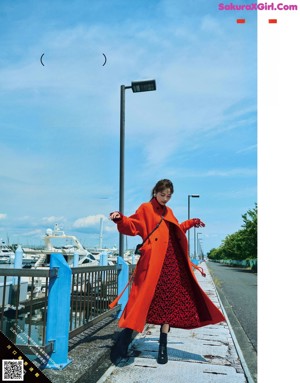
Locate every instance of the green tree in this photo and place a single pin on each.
(214, 254)
(241, 244)
(250, 233)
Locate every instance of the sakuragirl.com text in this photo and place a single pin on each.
(257, 7)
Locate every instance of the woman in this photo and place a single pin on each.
(164, 290)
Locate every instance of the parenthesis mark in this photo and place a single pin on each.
(105, 59)
(41, 59)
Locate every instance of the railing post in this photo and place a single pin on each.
(75, 259)
(103, 259)
(18, 289)
(123, 277)
(18, 258)
(18, 262)
(58, 315)
(195, 261)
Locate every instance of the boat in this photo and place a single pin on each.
(113, 252)
(56, 241)
(7, 255)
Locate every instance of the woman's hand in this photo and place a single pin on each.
(115, 215)
(198, 222)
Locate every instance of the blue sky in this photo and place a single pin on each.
(59, 147)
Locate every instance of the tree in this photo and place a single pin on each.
(250, 233)
(241, 244)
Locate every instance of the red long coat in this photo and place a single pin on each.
(150, 264)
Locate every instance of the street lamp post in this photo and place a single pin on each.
(189, 213)
(198, 246)
(136, 86)
(201, 251)
(194, 242)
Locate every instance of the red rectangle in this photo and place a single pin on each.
(272, 21)
(241, 21)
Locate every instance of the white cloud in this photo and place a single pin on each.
(238, 172)
(210, 24)
(3, 216)
(195, 173)
(38, 233)
(88, 221)
(53, 219)
(111, 229)
(159, 148)
(250, 148)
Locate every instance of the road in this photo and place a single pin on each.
(237, 288)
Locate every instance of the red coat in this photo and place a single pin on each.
(150, 264)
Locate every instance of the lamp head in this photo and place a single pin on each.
(143, 86)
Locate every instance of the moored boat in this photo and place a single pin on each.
(56, 241)
(7, 255)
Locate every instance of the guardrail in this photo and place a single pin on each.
(92, 289)
(61, 301)
(18, 304)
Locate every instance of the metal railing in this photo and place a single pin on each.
(33, 300)
(21, 297)
(93, 288)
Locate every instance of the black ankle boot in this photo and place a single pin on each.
(162, 350)
(119, 350)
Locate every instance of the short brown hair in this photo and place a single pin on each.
(162, 185)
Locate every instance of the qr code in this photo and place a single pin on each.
(12, 370)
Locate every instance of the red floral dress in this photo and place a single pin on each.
(174, 300)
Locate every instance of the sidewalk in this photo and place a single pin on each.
(206, 355)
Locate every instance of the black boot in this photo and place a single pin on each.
(119, 350)
(162, 350)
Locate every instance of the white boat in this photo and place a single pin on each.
(111, 253)
(7, 255)
(56, 241)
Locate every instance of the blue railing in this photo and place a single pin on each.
(72, 300)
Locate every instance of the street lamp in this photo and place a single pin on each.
(199, 251)
(136, 86)
(201, 256)
(189, 208)
(143, 86)
(194, 242)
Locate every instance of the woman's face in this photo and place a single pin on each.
(164, 196)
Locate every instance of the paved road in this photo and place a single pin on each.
(237, 288)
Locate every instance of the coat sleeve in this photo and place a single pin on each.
(132, 225)
(186, 225)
